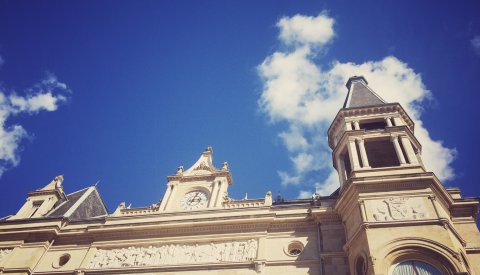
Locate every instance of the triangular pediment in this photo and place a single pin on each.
(201, 168)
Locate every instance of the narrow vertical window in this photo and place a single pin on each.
(35, 206)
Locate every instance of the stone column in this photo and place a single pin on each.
(348, 126)
(165, 197)
(353, 155)
(398, 121)
(363, 152)
(356, 125)
(219, 195)
(168, 204)
(388, 120)
(213, 196)
(407, 145)
(341, 171)
(400, 156)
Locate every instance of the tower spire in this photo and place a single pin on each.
(360, 95)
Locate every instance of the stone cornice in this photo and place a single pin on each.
(390, 183)
(370, 225)
(326, 215)
(208, 177)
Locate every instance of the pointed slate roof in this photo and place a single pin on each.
(83, 204)
(360, 95)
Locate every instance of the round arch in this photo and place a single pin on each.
(425, 250)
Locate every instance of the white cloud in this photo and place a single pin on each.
(304, 194)
(300, 29)
(45, 95)
(36, 103)
(475, 42)
(286, 179)
(1, 61)
(307, 96)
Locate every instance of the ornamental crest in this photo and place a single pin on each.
(202, 166)
(397, 209)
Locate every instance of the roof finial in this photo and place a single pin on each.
(180, 170)
(356, 78)
(54, 184)
(360, 95)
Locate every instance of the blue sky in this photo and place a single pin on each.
(123, 92)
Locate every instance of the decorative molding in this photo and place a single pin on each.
(259, 265)
(229, 203)
(172, 254)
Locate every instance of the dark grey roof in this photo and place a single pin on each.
(65, 206)
(92, 206)
(360, 95)
(82, 204)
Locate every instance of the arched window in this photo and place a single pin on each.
(414, 267)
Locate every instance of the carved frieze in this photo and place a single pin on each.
(4, 253)
(171, 254)
(398, 208)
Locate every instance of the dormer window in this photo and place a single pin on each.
(35, 206)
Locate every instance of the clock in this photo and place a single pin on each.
(194, 200)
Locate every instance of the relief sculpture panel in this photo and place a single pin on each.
(399, 208)
(171, 254)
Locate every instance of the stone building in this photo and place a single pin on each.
(389, 216)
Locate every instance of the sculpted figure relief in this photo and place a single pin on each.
(394, 209)
(237, 251)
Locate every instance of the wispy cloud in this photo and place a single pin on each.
(45, 95)
(475, 42)
(307, 96)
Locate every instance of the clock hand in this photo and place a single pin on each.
(195, 198)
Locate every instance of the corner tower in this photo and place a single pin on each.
(370, 137)
(395, 213)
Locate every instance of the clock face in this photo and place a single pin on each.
(194, 200)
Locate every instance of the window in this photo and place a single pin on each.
(35, 206)
(61, 261)
(414, 267)
(373, 125)
(347, 165)
(294, 248)
(381, 153)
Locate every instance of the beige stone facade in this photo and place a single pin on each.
(389, 216)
